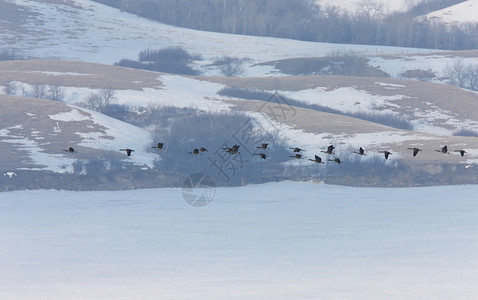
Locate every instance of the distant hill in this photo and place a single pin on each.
(35, 132)
(438, 24)
(285, 93)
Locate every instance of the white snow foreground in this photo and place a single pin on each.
(273, 241)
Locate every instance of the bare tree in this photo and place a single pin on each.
(231, 66)
(93, 101)
(472, 77)
(371, 10)
(107, 96)
(40, 91)
(99, 100)
(56, 93)
(457, 74)
(10, 88)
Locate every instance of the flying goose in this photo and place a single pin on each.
(297, 149)
(159, 146)
(462, 152)
(386, 153)
(297, 156)
(330, 149)
(195, 151)
(360, 152)
(128, 151)
(443, 150)
(263, 146)
(337, 160)
(232, 150)
(317, 160)
(71, 150)
(202, 149)
(262, 155)
(415, 151)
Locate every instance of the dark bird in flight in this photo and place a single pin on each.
(360, 152)
(462, 152)
(330, 149)
(263, 146)
(159, 146)
(232, 150)
(202, 149)
(443, 150)
(71, 150)
(386, 153)
(297, 149)
(317, 160)
(195, 151)
(262, 155)
(128, 151)
(415, 151)
(297, 156)
(337, 160)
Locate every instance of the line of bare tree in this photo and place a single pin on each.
(462, 75)
(307, 20)
(52, 92)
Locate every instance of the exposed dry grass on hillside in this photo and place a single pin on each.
(33, 114)
(28, 118)
(417, 96)
(76, 74)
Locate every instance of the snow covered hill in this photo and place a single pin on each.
(81, 32)
(460, 14)
(93, 134)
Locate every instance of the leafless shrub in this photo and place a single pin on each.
(40, 91)
(99, 100)
(230, 66)
(56, 93)
(461, 75)
(10, 88)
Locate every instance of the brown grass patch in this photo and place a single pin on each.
(77, 74)
(419, 96)
(36, 125)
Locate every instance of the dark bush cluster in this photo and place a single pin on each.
(173, 60)
(9, 55)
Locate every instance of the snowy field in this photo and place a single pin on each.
(272, 241)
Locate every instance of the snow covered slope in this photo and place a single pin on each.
(387, 6)
(462, 13)
(95, 33)
(34, 134)
(465, 12)
(82, 30)
(87, 31)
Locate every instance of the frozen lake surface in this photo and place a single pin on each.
(272, 241)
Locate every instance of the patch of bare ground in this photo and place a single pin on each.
(416, 96)
(341, 65)
(77, 74)
(28, 118)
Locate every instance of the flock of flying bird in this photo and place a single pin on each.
(317, 159)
